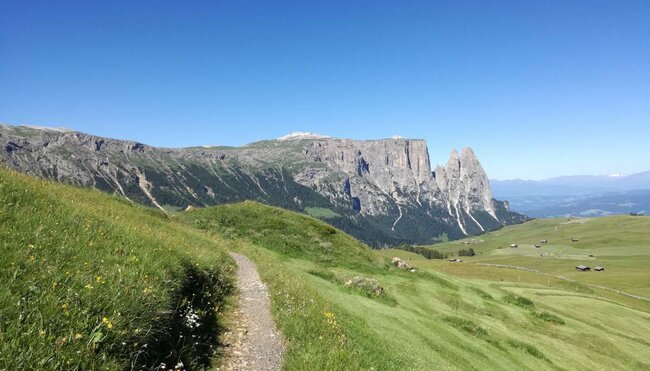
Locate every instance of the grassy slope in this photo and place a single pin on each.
(619, 243)
(87, 280)
(424, 320)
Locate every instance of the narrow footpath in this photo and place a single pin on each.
(255, 343)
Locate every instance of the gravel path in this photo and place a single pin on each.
(255, 343)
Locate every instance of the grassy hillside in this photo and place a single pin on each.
(327, 302)
(89, 281)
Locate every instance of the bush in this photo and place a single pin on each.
(469, 252)
(426, 252)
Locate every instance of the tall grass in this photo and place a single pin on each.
(90, 281)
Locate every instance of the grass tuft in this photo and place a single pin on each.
(528, 348)
(466, 326)
(519, 301)
(548, 317)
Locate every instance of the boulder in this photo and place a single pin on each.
(365, 284)
(401, 264)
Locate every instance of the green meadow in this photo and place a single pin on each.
(620, 244)
(429, 319)
(90, 281)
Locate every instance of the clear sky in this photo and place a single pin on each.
(537, 88)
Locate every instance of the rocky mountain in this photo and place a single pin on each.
(381, 191)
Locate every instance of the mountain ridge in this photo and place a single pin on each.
(383, 189)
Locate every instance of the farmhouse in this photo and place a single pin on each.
(574, 240)
(455, 260)
(583, 268)
(538, 246)
(543, 241)
(514, 245)
(599, 269)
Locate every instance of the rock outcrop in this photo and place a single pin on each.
(383, 191)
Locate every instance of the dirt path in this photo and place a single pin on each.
(255, 343)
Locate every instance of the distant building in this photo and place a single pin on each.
(599, 269)
(582, 268)
(543, 241)
(514, 245)
(574, 240)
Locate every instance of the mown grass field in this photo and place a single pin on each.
(89, 281)
(425, 320)
(621, 244)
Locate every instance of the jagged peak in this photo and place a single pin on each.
(467, 151)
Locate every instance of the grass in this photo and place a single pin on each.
(436, 320)
(321, 213)
(90, 281)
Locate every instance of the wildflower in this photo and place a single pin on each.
(41, 332)
(78, 336)
(89, 287)
(192, 319)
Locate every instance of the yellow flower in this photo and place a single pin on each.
(41, 332)
(78, 336)
(104, 320)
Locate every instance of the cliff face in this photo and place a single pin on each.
(383, 190)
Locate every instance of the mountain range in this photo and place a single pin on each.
(381, 191)
(577, 195)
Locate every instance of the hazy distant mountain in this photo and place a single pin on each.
(602, 204)
(578, 195)
(570, 185)
(381, 191)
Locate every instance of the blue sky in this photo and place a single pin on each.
(537, 88)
